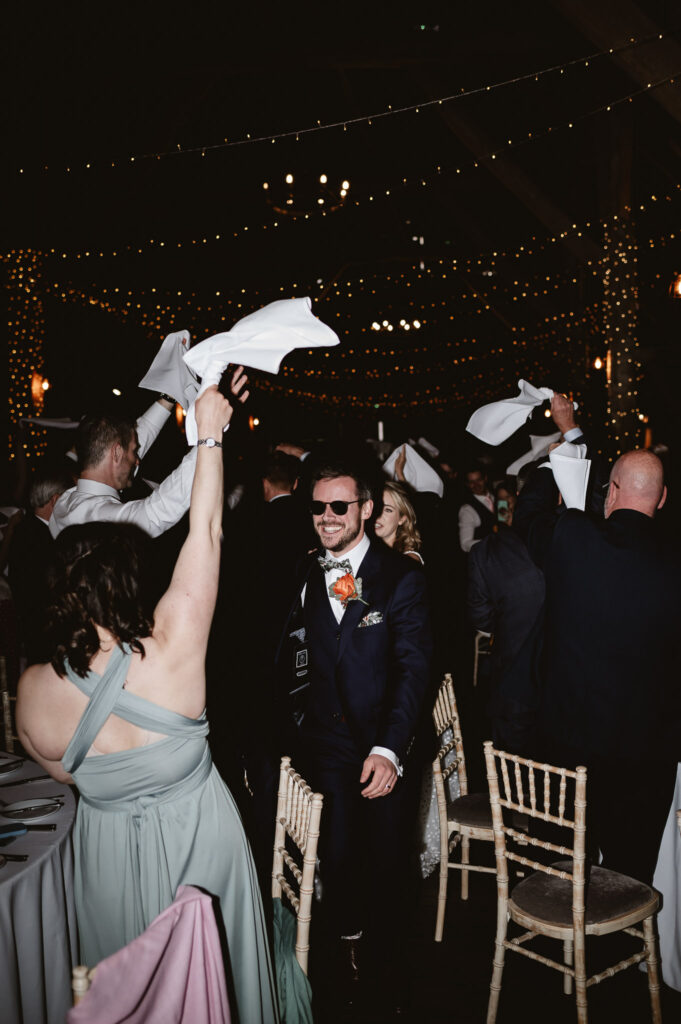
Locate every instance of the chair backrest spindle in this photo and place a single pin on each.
(497, 766)
(298, 816)
(446, 717)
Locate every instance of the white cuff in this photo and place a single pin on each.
(385, 752)
(571, 434)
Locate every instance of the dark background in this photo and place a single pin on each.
(497, 300)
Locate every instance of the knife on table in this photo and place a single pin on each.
(22, 782)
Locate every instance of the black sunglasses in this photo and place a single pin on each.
(339, 508)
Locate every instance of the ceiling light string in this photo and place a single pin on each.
(382, 192)
(366, 119)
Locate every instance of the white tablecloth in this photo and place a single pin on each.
(668, 880)
(38, 938)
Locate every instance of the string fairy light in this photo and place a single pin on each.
(620, 320)
(26, 322)
(423, 180)
(556, 331)
(162, 311)
(364, 119)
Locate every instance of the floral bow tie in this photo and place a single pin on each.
(328, 564)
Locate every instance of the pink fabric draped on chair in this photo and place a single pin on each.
(172, 974)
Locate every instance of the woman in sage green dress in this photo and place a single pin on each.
(120, 712)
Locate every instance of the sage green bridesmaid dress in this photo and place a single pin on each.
(152, 819)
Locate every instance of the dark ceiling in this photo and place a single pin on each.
(464, 245)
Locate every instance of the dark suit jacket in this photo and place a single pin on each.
(369, 683)
(285, 535)
(505, 593)
(611, 649)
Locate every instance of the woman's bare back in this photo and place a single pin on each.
(52, 706)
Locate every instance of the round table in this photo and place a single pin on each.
(38, 937)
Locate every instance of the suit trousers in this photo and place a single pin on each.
(630, 802)
(364, 848)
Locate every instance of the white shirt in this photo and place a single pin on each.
(355, 557)
(91, 501)
(469, 520)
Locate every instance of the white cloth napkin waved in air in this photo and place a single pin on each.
(259, 340)
(169, 374)
(497, 421)
(417, 472)
(539, 445)
(571, 473)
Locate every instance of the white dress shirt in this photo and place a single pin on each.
(91, 501)
(469, 520)
(355, 557)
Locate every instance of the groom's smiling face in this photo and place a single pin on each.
(340, 533)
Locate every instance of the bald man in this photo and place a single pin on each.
(611, 666)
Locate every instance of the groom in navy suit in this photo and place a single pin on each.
(367, 644)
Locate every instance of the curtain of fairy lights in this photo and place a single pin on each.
(620, 326)
(26, 325)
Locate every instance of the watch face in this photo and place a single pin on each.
(210, 442)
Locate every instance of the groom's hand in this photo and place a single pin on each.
(385, 776)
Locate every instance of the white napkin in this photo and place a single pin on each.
(571, 473)
(259, 340)
(539, 445)
(494, 423)
(169, 374)
(417, 472)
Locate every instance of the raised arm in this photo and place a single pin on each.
(150, 424)
(183, 615)
(534, 515)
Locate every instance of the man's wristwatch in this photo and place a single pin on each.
(209, 442)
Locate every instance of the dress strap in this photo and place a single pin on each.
(102, 702)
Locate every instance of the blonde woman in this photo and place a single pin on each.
(396, 525)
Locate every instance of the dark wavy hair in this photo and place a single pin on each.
(96, 579)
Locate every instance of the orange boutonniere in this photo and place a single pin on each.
(347, 588)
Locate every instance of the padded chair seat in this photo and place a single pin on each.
(608, 895)
(472, 809)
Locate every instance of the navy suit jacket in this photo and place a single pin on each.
(369, 682)
(505, 593)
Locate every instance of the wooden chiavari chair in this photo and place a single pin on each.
(81, 979)
(481, 648)
(298, 814)
(551, 900)
(468, 817)
(9, 734)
